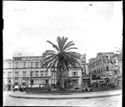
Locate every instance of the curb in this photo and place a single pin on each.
(64, 97)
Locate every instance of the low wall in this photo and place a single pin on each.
(35, 89)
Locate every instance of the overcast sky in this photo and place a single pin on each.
(93, 26)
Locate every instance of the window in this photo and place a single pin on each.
(46, 73)
(24, 73)
(9, 74)
(16, 74)
(16, 64)
(9, 81)
(37, 64)
(36, 81)
(31, 73)
(32, 82)
(37, 73)
(107, 68)
(24, 64)
(31, 64)
(42, 73)
(106, 57)
(74, 74)
(47, 81)
(41, 64)
(9, 64)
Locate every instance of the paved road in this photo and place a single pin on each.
(114, 101)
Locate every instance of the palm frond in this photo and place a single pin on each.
(71, 48)
(48, 60)
(55, 46)
(61, 42)
(68, 45)
(45, 58)
(73, 57)
(49, 53)
(50, 65)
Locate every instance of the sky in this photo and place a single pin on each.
(93, 26)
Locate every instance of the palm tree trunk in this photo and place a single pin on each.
(62, 83)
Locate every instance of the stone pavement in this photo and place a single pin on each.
(70, 96)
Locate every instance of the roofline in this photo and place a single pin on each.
(7, 59)
(25, 56)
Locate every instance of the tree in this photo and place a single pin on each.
(62, 58)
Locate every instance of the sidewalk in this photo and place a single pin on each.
(71, 96)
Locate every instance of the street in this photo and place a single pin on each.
(114, 101)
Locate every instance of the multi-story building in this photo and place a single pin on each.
(118, 63)
(103, 65)
(7, 73)
(28, 70)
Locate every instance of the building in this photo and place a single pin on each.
(28, 70)
(104, 65)
(118, 64)
(7, 73)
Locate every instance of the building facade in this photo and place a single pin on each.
(104, 65)
(7, 73)
(28, 70)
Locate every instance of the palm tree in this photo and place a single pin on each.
(62, 59)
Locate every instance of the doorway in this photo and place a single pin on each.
(32, 82)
